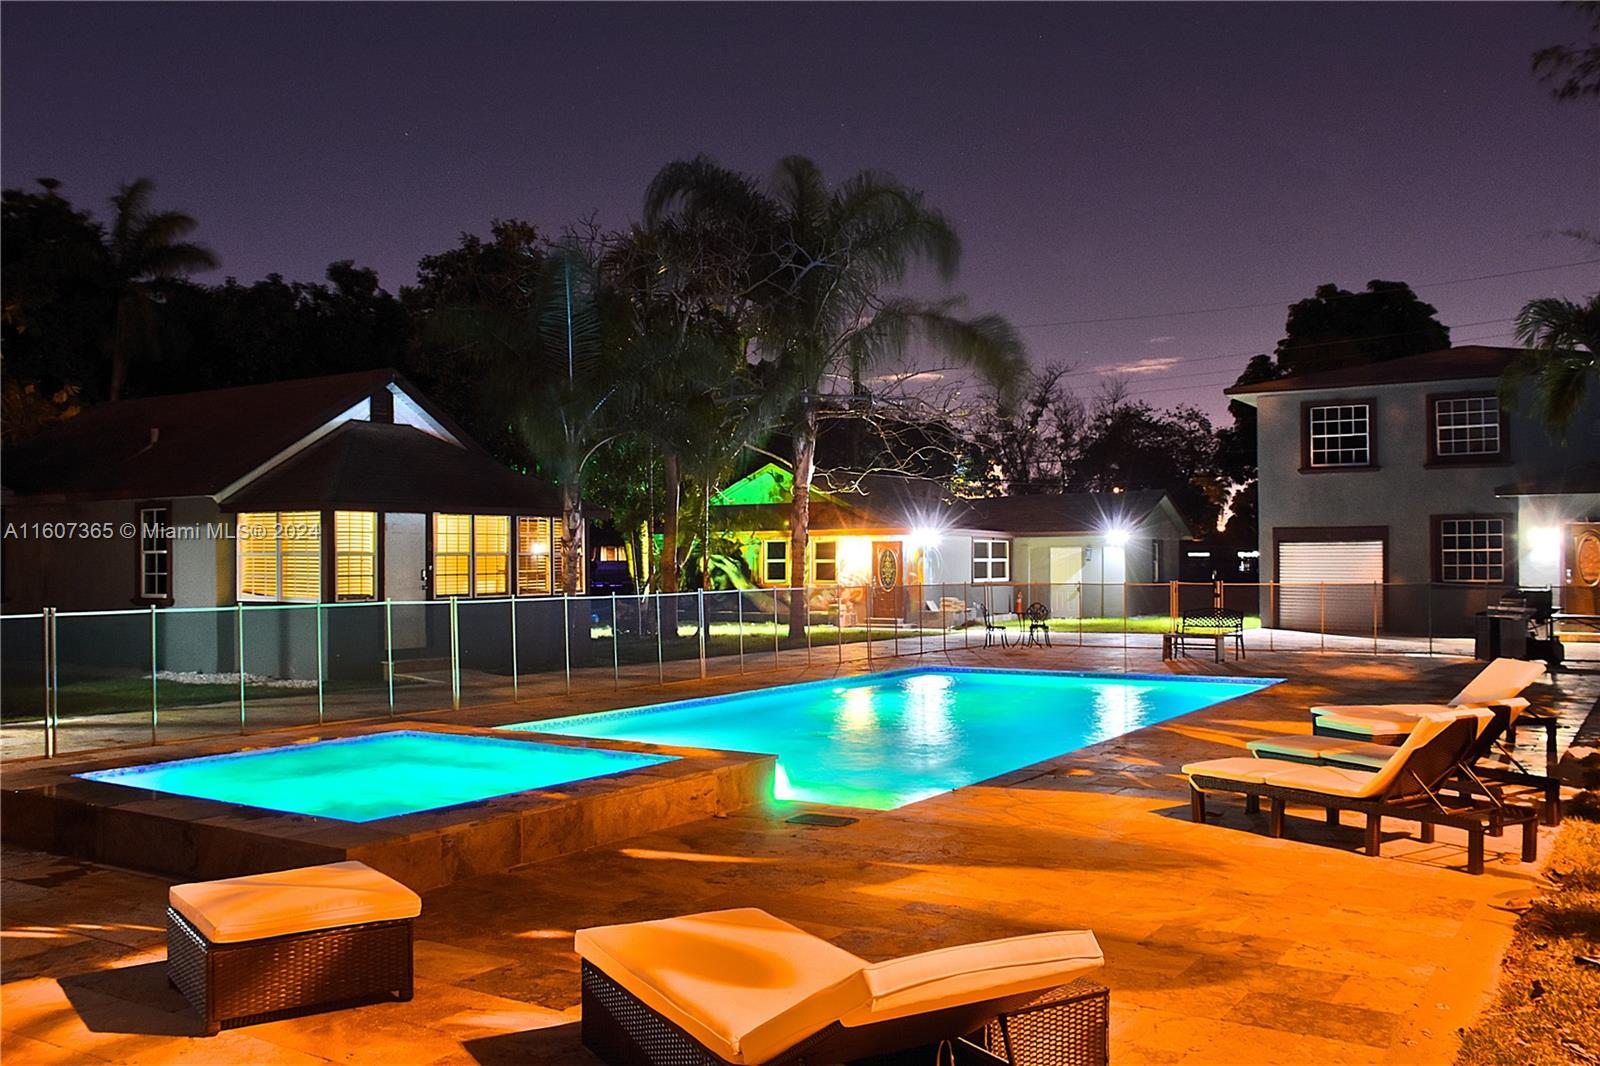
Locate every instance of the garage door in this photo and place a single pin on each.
(1328, 584)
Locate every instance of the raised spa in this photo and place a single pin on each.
(362, 779)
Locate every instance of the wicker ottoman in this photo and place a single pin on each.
(251, 949)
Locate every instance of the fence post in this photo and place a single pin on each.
(388, 647)
(1322, 616)
(1172, 605)
(661, 658)
(805, 594)
(1374, 618)
(455, 656)
(1124, 624)
(1429, 598)
(777, 658)
(566, 638)
(155, 711)
(515, 691)
(1272, 612)
(739, 607)
(866, 615)
(701, 602)
(320, 665)
(47, 632)
(616, 654)
(239, 631)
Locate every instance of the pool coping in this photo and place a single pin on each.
(49, 808)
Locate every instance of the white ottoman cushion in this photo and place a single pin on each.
(258, 906)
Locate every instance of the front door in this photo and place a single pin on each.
(888, 580)
(405, 560)
(1580, 569)
(1066, 577)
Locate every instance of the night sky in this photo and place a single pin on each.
(1101, 162)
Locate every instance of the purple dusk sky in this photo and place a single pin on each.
(1101, 162)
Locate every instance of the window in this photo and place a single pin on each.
(991, 560)
(775, 562)
(491, 555)
(825, 564)
(533, 557)
(155, 553)
(471, 554)
(280, 556)
(452, 555)
(1339, 435)
(1466, 427)
(1472, 549)
(355, 555)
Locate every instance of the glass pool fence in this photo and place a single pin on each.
(90, 680)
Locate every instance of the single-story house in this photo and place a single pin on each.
(335, 490)
(901, 542)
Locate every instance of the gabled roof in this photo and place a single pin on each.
(1466, 363)
(194, 443)
(1073, 513)
(369, 466)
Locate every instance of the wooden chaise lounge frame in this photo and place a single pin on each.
(623, 1030)
(1433, 788)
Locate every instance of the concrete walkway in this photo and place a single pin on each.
(1222, 945)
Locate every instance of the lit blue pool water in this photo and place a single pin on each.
(362, 779)
(889, 739)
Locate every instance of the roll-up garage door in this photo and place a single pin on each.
(1328, 584)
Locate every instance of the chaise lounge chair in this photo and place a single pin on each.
(1497, 685)
(740, 986)
(1370, 756)
(1426, 780)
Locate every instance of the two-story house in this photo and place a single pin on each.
(1405, 492)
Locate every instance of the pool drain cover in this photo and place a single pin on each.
(832, 821)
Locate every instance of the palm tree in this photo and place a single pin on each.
(1563, 338)
(144, 246)
(547, 373)
(822, 266)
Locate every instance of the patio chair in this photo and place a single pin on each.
(1425, 780)
(1370, 756)
(741, 986)
(1038, 616)
(991, 627)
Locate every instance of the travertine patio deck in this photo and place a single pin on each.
(1222, 945)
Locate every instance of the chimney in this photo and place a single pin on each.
(383, 405)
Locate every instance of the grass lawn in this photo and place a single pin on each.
(1547, 1011)
(120, 695)
(1159, 623)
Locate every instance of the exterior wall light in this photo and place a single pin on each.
(1116, 538)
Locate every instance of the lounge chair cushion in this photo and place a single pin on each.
(1241, 768)
(1328, 780)
(1306, 747)
(968, 973)
(743, 983)
(258, 906)
(1337, 751)
(1499, 681)
(749, 986)
(1386, 711)
(1372, 725)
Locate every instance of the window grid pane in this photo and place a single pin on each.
(1340, 435)
(776, 568)
(1472, 549)
(155, 570)
(1467, 425)
(991, 560)
(825, 570)
(301, 554)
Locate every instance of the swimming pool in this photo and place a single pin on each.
(362, 779)
(884, 740)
